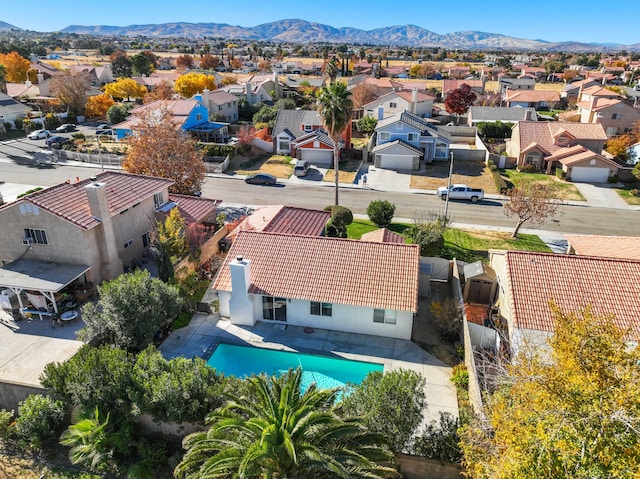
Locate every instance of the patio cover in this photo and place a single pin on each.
(44, 276)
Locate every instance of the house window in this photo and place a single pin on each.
(35, 236)
(274, 309)
(158, 199)
(219, 107)
(533, 159)
(283, 145)
(198, 116)
(320, 309)
(128, 243)
(393, 104)
(412, 137)
(146, 239)
(562, 140)
(616, 116)
(385, 136)
(308, 128)
(384, 316)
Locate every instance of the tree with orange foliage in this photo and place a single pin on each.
(162, 91)
(191, 83)
(158, 148)
(16, 67)
(125, 89)
(229, 80)
(264, 65)
(98, 105)
(209, 62)
(236, 63)
(184, 62)
(618, 146)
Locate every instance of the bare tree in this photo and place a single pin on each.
(72, 90)
(533, 202)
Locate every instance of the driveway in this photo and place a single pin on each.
(388, 180)
(601, 195)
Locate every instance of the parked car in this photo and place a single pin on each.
(39, 134)
(301, 168)
(111, 134)
(104, 126)
(461, 192)
(66, 128)
(56, 142)
(261, 179)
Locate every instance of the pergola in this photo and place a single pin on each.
(44, 276)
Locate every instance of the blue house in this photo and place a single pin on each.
(404, 139)
(191, 115)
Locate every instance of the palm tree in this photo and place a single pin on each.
(279, 432)
(89, 441)
(335, 108)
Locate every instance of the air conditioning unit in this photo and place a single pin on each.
(27, 241)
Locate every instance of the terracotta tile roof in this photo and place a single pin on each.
(624, 247)
(609, 286)
(408, 95)
(69, 200)
(285, 219)
(585, 155)
(220, 97)
(192, 208)
(597, 90)
(331, 270)
(180, 108)
(604, 103)
(567, 152)
(542, 133)
(382, 235)
(532, 95)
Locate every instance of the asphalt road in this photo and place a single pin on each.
(16, 166)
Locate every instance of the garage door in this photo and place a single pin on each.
(396, 162)
(318, 157)
(583, 174)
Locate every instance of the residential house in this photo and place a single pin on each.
(270, 83)
(507, 83)
(623, 247)
(189, 115)
(253, 93)
(602, 78)
(477, 86)
(633, 152)
(536, 73)
(221, 105)
(532, 142)
(478, 114)
(615, 116)
(316, 147)
(284, 219)
(318, 282)
(583, 165)
(598, 92)
(458, 71)
(404, 139)
(573, 91)
(397, 101)
(380, 86)
(529, 281)
(12, 110)
(535, 99)
(383, 235)
(100, 75)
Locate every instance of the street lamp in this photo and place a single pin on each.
(446, 201)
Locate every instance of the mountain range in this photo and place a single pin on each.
(302, 31)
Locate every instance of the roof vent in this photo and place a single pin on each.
(93, 178)
(239, 259)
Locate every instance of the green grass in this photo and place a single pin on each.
(474, 246)
(13, 135)
(562, 189)
(197, 292)
(359, 227)
(625, 193)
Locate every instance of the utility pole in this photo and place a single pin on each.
(446, 201)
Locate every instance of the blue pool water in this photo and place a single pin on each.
(242, 361)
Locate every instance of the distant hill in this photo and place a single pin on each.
(7, 27)
(302, 31)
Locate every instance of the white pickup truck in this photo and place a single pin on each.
(461, 192)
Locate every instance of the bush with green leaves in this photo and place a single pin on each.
(131, 309)
(381, 212)
(429, 235)
(40, 418)
(7, 427)
(366, 125)
(341, 217)
(494, 129)
(440, 440)
(390, 404)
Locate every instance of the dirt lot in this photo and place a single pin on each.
(472, 173)
(276, 165)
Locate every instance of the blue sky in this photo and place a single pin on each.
(555, 20)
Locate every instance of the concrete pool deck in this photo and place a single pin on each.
(206, 331)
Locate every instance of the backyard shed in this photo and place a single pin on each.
(479, 283)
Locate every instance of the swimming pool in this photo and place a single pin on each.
(242, 361)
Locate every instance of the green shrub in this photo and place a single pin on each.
(39, 418)
(78, 135)
(560, 173)
(494, 129)
(33, 190)
(493, 167)
(218, 150)
(612, 179)
(331, 230)
(7, 427)
(529, 168)
(460, 376)
(499, 181)
(634, 192)
(381, 212)
(440, 440)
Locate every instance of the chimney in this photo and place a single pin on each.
(276, 86)
(592, 102)
(205, 98)
(240, 304)
(414, 99)
(111, 264)
(249, 89)
(198, 97)
(380, 113)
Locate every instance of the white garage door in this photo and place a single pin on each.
(396, 162)
(583, 174)
(318, 157)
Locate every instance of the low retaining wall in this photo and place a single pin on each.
(413, 467)
(101, 159)
(11, 394)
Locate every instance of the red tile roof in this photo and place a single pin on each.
(625, 247)
(69, 200)
(285, 219)
(609, 286)
(542, 133)
(382, 235)
(331, 270)
(532, 95)
(192, 208)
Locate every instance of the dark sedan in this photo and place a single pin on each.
(66, 128)
(56, 142)
(261, 179)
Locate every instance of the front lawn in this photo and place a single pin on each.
(562, 189)
(625, 193)
(279, 166)
(359, 227)
(348, 171)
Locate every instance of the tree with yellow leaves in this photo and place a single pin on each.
(125, 89)
(16, 67)
(191, 83)
(160, 149)
(98, 105)
(574, 413)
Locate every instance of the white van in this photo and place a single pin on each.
(301, 168)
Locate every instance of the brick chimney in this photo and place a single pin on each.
(240, 304)
(111, 264)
